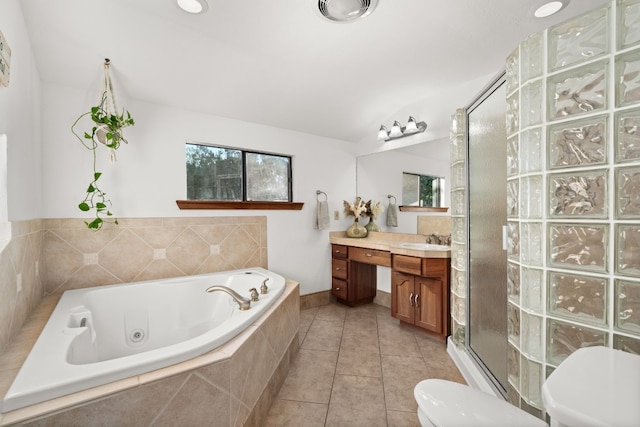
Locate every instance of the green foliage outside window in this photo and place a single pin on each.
(219, 173)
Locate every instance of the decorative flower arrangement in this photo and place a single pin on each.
(357, 209)
(373, 208)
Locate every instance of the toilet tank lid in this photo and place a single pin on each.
(447, 403)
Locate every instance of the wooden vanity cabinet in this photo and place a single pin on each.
(420, 293)
(353, 273)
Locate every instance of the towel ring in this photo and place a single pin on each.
(392, 197)
(318, 193)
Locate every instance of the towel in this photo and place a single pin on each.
(392, 215)
(322, 215)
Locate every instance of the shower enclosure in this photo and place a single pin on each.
(487, 212)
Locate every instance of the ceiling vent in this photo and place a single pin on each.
(343, 11)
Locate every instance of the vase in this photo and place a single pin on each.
(356, 230)
(372, 226)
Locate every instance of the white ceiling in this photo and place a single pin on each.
(277, 62)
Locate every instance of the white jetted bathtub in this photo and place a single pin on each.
(99, 335)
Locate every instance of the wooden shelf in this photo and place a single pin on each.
(421, 209)
(221, 204)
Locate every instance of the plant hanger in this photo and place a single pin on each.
(106, 130)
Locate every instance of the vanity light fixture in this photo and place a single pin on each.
(550, 8)
(397, 131)
(193, 6)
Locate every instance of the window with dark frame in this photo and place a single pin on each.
(231, 174)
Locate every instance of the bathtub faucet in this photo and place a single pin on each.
(244, 303)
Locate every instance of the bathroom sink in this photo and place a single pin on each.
(424, 246)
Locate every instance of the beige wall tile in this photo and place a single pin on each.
(440, 225)
(197, 403)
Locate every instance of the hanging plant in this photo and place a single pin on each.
(107, 130)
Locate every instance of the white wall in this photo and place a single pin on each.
(19, 120)
(150, 174)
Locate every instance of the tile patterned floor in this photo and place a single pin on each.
(357, 367)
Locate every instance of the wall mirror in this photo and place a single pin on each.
(381, 174)
(422, 190)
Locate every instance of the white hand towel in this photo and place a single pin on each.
(392, 215)
(322, 215)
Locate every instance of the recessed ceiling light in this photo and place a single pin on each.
(193, 6)
(550, 8)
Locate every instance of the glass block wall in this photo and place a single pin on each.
(573, 196)
(573, 138)
(458, 138)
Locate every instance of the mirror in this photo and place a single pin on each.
(381, 174)
(422, 190)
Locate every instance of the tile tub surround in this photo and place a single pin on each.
(229, 384)
(47, 256)
(20, 267)
(148, 248)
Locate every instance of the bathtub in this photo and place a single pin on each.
(98, 335)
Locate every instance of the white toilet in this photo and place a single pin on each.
(444, 403)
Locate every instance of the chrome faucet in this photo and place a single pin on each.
(244, 303)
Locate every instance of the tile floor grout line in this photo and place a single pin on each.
(434, 369)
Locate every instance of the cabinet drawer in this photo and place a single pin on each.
(339, 268)
(339, 288)
(434, 267)
(370, 256)
(339, 251)
(408, 264)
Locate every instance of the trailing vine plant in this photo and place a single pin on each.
(107, 130)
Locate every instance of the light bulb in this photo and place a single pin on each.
(411, 127)
(396, 130)
(383, 134)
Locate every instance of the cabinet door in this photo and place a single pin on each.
(429, 304)
(402, 295)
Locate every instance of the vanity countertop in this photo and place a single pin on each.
(390, 242)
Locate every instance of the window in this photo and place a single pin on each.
(422, 190)
(221, 173)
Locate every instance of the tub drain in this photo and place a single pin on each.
(137, 335)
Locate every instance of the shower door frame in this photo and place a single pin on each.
(486, 92)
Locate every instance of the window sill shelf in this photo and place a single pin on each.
(421, 209)
(220, 204)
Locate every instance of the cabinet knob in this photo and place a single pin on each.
(337, 289)
(337, 251)
(368, 254)
(337, 268)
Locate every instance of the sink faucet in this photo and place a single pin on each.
(433, 239)
(244, 303)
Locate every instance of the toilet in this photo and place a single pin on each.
(445, 403)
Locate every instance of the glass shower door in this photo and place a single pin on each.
(487, 174)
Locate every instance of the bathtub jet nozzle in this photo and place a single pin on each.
(244, 303)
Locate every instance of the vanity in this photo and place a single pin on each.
(420, 286)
